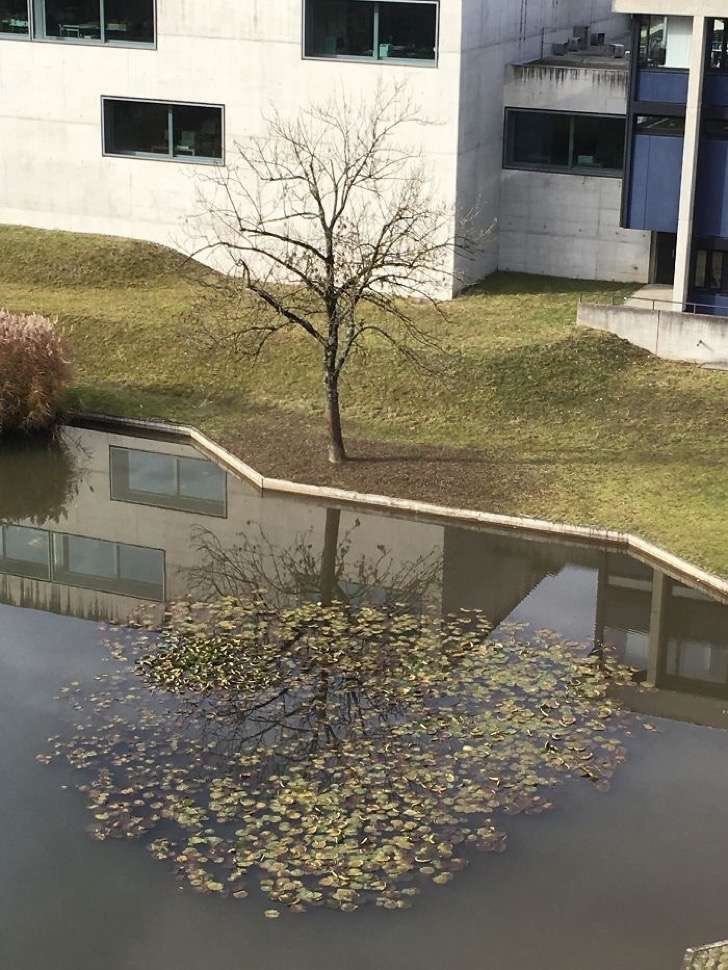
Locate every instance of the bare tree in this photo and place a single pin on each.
(327, 224)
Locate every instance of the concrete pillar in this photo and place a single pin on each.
(657, 638)
(690, 161)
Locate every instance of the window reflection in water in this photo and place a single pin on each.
(168, 481)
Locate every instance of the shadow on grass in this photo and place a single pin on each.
(529, 284)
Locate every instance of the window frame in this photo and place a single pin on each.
(170, 156)
(357, 59)
(571, 169)
(31, 34)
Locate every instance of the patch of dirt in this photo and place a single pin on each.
(287, 446)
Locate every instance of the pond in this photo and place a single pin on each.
(519, 745)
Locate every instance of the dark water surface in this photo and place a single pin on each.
(627, 878)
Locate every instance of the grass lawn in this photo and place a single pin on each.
(534, 417)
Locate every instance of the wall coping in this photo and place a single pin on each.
(647, 551)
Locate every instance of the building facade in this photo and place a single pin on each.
(677, 148)
(110, 108)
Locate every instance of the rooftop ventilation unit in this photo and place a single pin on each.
(558, 50)
(616, 50)
(574, 44)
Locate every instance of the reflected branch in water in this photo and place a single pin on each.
(328, 571)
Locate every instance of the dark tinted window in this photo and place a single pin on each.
(561, 142)
(129, 20)
(110, 21)
(13, 16)
(383, 30)
(197, 132)
(598, 143)
(540, 138)
(407, 30)
(70, 19)
(143, 128)
(136, 127)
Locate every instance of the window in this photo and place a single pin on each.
(664, 42)
(717, 45)
(14, 17)
(551, 141)
(387, 30)
(660, 125)
(151, 129)
(711, 270)
(104, 21)
(168, 481)
(25, 551)
(112, 567)
(653, 41)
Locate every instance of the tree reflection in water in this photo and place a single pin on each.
(332, 750)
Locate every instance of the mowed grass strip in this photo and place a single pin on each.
(529, 415)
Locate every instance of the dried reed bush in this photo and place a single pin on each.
(34, 372)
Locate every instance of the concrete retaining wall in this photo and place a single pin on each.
(694, 338)
(636, 546)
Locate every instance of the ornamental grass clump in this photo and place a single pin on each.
(34, 372)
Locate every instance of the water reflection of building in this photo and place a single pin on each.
(150, 518)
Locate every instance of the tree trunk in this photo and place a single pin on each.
(337, 452)
(327, 580)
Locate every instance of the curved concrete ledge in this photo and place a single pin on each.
(676, 567)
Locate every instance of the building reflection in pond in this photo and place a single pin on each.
(154, 520)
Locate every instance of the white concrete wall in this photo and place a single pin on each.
(494, 35)
(564, 224)
(568, 225)
(690, 337)
(245, 55)
(248, 56)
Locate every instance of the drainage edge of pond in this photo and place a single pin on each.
(648, 552)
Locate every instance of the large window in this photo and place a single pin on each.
(105, 21)
(665, 42)
(168, 481)
(14, 17)
(553, 141)
(112, 567)
(152, 129)
(387, 30)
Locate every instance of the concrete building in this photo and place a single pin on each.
(110, 108)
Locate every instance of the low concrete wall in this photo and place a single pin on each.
(690, 337)
(640, 548)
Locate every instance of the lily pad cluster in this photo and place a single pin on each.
(332, 755)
